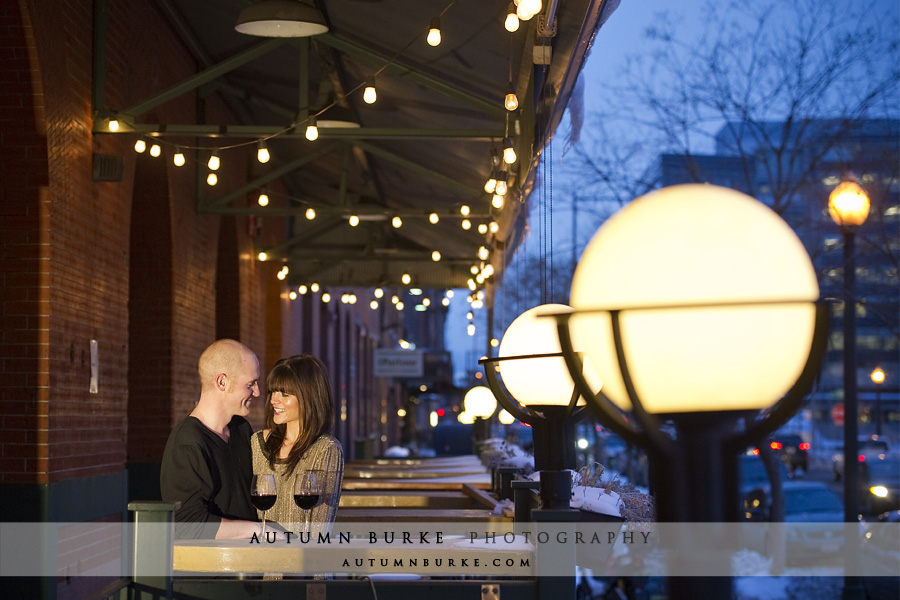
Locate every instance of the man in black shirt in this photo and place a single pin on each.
(206, 464)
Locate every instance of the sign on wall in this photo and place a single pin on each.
(398, 363)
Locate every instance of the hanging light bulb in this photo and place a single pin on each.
(178, 157)
(353, 220)
(263, 199)
(314, 288)
(353, 298)
(395, 299)
(473, 269)
(483, 253)
(113, 125)
(436, 256)
(448, 293)
(509, 154)
(285, 269)
(379, 292)
(494, 226)
(369, 94)
(528, 8)
(326, 297)
(262, 256)
(445, 301)
(397, 222)
(497, 201)
(212, 179)
(470, 329)
(433, 218)
(511, 102)
(482, 228)
(140, 146)
(345, 298)
(310, 213)
(155, 150)
(470, 315)
(281, 275)
(312, 129)
(464, 210)
(512, 19)
(502, 186)
(406, 279)
(466, 224)
(214, 161)
(373, 304)
(434, 32)
(491, 184)
(303, 289)
(471, 284)
(292, 295)
(262, 153)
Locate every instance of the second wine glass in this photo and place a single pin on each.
(307, 490)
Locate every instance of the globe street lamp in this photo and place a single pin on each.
(697, 306)
(848, 205)
(479, 402)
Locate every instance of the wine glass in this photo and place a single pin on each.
(263, 495)
(307, 490)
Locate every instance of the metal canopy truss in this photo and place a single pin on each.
(424, 147)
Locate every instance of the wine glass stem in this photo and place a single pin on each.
(263, 532)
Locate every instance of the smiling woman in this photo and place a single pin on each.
(296, 442)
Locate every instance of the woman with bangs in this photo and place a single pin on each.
(299, 418)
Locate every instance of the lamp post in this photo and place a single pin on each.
(877, 377)
(697, 305)
(848, 205)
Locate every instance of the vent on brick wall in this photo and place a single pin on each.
(107, 167)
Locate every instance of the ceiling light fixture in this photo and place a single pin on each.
(281, 18)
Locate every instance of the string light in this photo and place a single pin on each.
(464, 210)
(369, 94)
(397, 222)
(509, 153)
(473, 269)
(471, 284)
(512, 19)
(262, 256)
(326, 297)
(395, 299)
(310, 213)
(445, 301)
(263, 199)
(466, 224)
(482, 228)
(292, 295)
(497, 201)
(434, 32)
(155, 150)
(483, 253)
(528, 8)
(178, 157)
(312, 129)
(353, 220)
(303, 289)
(491, 184)
(502, 186)
(433, 218)
(436, 256)
(426, 301)
(399, 306)
(406, 279)
(212, 179)
(140, 146)
(379, 292)
(470, 329)
(113, 125)
(314, 288)
(494, 226)
(511, 101)
(373, 304)
(213, 163)
(262, 153)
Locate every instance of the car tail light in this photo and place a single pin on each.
(775, 445)
(756, 452)
(804, 446)
(861, 458)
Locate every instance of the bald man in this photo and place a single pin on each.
(207, 465)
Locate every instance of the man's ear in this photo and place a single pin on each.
(222, 382)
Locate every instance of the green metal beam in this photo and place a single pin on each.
(448, 182)
(203, 77)
(347, 47)
(270, 176)
(261, 131)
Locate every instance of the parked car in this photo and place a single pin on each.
(880, 484)
(867, 447)
(794, 452)
(813, 517)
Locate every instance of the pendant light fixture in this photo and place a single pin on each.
(281, 18)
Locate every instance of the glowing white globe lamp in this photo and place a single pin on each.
(715, 297)
(479, 402)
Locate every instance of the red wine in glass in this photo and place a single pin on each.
(263, 502)
(263, 494)
(306, 501)
(306, 491)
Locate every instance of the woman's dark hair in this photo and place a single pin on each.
(305, 377)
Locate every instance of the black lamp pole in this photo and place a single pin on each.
(852, 584)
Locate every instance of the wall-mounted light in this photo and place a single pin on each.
(434, 32)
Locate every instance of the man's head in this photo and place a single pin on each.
(229, 372)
